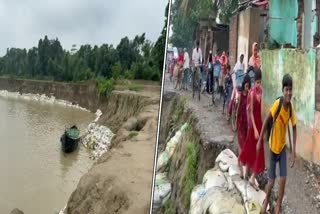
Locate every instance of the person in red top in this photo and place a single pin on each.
(242, 123)
(249, 157)
(180, 57)
(224, 61)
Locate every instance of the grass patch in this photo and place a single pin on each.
(133, 134)
(190, 174)
(179, 110)
(168, 207)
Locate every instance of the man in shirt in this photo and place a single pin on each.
(186, 68)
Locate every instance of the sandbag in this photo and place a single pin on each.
(198, 193)
(214, 178)
(162, 189)
(228, 158)
(163, 160)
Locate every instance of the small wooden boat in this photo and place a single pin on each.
(70, 139)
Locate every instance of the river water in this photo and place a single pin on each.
(35, 176)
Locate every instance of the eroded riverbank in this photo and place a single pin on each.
(124, 174)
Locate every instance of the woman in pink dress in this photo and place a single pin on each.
(249, 157)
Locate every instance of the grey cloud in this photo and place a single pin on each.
(23, 23)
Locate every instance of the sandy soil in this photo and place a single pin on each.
(121, 180)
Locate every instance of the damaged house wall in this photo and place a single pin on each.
(250, 26)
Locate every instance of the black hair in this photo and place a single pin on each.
(198, 45)
(246, 79)
(228, 67)
(286, 81)
(257, 74)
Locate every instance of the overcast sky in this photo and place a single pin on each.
(24, 22)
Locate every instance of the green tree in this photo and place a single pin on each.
(117, 71)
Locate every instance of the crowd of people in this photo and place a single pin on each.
(251, 128)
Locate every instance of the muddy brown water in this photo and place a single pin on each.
(35, 175)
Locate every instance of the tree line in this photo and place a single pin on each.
(132, 59)
(137, 58)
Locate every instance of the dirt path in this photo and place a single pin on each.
(214, 126)
(302, 193)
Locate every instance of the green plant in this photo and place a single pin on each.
(168, 207)
(190, 174)
(180, 109)
(105, 86)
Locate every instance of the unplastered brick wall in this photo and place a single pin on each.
(233, 40)
(299, 22)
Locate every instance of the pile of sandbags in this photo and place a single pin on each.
(162, 189)
(97, 138)
(40, 98)
(223, 191)
(166, 155)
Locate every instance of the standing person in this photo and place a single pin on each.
(216, 69)
(280, 115)
(224, 62)
(210, 72)
(196, 59)
(177, 73)
(249, 157)
(239, 66)
(217, 56)
(197, 56)
(242, 123)
(171, 66)
(186, 69)
(227, 88)
(180, 57)
(255, 57)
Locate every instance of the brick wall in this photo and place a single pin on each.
(233, 40)
(300, 22)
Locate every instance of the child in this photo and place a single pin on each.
(249, 157)
(277, 140)
(242, 124)
(237, 68)
(177, 73)
(227, 88)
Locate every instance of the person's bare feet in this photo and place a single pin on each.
(241, 171)
(253, 184)
(277, 210)
(264, 207)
